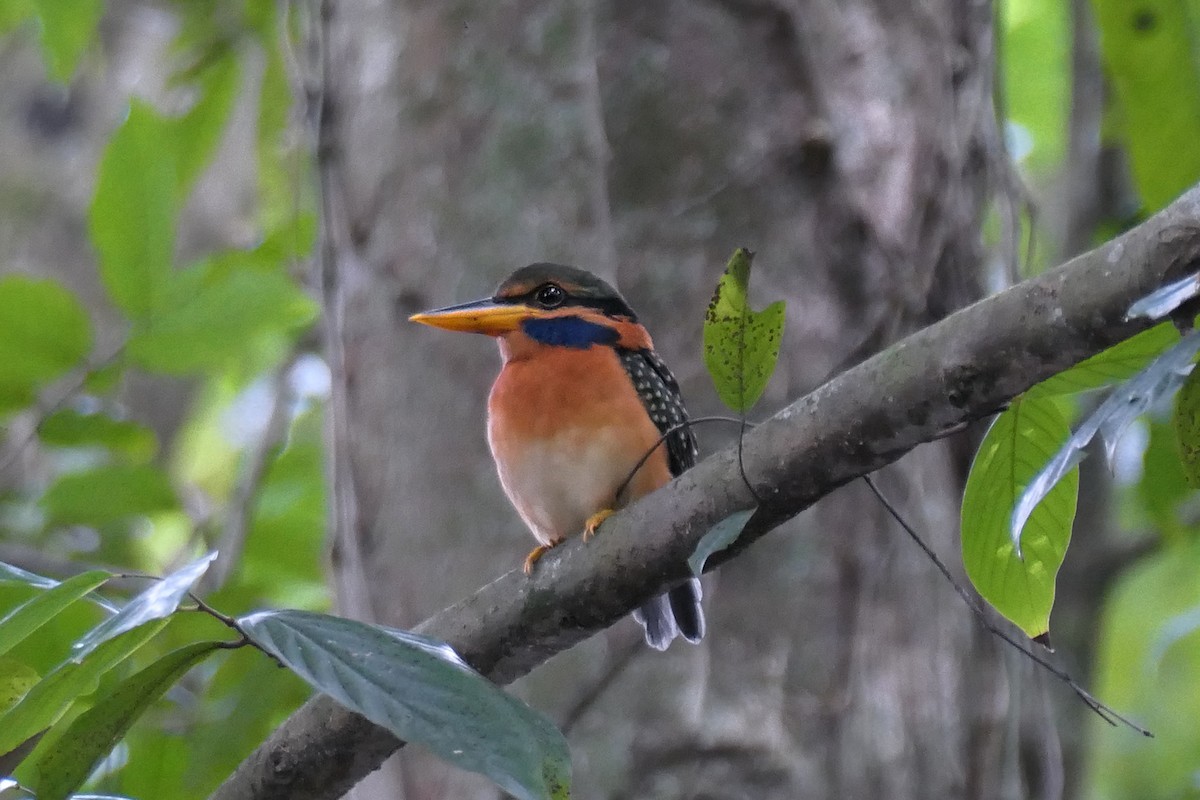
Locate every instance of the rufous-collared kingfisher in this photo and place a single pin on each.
(581, 400)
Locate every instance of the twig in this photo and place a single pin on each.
(687, 423)
(1103, 711)
(243, 639)
(741, 463)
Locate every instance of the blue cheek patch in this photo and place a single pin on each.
(569, 332)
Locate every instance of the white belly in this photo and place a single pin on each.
(557, 484)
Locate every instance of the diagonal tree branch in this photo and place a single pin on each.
(960, 369)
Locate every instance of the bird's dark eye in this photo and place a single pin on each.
(550, 296)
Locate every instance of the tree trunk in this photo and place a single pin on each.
(848, 142)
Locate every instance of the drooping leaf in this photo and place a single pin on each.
(70, 428)
(1162, 301)
(1018, 443)
(67, 29)
(158, 601)
(1186, 421)
(132, 218)
(416, 688)
(720, 536)
(36, 611)
(217, 308)
(1163, 375)
(1118, 363)
(741, 345)
(66, 764)
(44, 332)
(109, 493)
(1149, 54)
(50, 697)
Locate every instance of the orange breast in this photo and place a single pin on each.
(566, 429)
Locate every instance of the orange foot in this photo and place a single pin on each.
(537, 553)
(594, 521)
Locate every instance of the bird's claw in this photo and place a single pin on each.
(537, 553)
(594, 521)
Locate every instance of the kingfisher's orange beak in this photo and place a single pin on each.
(481, 316)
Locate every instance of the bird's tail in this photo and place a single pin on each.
(676, 613)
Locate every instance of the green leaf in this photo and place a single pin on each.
(103, 379)
(69, 428)
(44, 332)
(33, 613)
(1149, 50)
(14, 13)
(217, 307)
(107, 494)
(158, 601)
(1036, 60)
(421, 691)
(65, 765)
(277, 181)
(741, 345)
(16, 679)
(197, 133)
(132, 219)
(1019, 442)
(1186, 421)
(291, 507)
(1163, 487)
(13, 574)
(1119, 362)
(50, 697)
(67, 28)
(720, 536)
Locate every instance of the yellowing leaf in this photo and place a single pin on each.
(741, 345)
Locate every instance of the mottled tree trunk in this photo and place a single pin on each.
(848, 142)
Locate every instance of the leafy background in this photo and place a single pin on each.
(163, 396)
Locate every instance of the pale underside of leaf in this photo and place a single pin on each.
(158, 601)
(720, 536)
(1164, 375)
(1165, 299)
